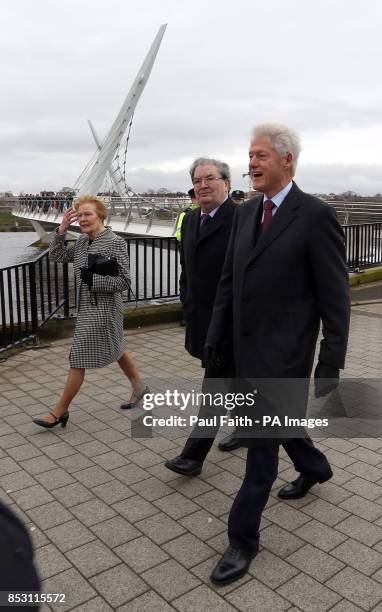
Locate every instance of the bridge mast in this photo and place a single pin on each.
(91, 180)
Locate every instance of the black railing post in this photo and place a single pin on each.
(33, 298)
(356, 237)
(65, 281)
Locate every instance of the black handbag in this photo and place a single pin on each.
(104, 266)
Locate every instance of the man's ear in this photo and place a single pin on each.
(288, 160)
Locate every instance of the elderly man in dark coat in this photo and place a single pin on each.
(284, 274)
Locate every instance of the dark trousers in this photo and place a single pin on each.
(201, 439)
(261, 472)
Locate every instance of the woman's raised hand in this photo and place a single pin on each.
(69, 217)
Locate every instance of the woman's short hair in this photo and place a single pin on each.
(283, 138)
(99, 205)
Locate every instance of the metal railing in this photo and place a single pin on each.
(31, 293)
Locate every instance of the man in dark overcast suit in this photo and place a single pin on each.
(205, 235)
(285, 272)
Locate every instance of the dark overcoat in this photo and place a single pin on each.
(202, 259)
(276, 290)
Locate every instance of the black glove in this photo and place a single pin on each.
(326, 379)
(212, 356)
(87, 276)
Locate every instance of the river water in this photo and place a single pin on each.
(15, 249)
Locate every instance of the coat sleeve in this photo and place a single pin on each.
(115, 284)
(328, 261)
(222, 317)
(59, 251)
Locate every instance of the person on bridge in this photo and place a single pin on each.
(98, 336)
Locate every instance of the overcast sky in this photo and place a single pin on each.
(222, 68)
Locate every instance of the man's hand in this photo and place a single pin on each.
(326, 379)
(212, 356)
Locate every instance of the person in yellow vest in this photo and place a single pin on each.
(184, 212)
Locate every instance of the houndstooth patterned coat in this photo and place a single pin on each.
(98, 336)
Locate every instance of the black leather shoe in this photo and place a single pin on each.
(299, 487)
(229, 443)
(58, 420)
(232, 566)
(184, 466)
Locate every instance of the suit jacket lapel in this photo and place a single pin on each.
(216, 221)
(284, 217)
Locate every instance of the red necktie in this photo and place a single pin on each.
(268, 207)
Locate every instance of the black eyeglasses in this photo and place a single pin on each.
(207, 179)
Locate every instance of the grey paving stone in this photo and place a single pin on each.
(162, 473)
(280, 541)
(170, 579)
(31, 497)
(202, 598)
(188, 550)
(129, 474)
(93, 512)
(49, 515)
(36, 465)
(325, 512)
(50, 561)
(76, 437)
(253, 591)
(358, 588)
(59, 450)
(113, 491)
(70, 535)
(135, 508)
(362, 487)
(126, 446)
(73, 494)
(149, 602)
(38, 537)
(176, 505)
(92, 425)
(75, 463)
(108, 435)
(315, 562)
(160, 528)
(97, 604)
(366, 455)
(343, 606)
(359, 556)
(8, 466)
(17, 481)
(320, 535)
(285, 516)
(54, 478)
(24, 451)
(214, 502)
(93, 476)
(203, 525)
(118, 585)
(308, 594)
(73, 585)
(145, 458)
(110, 460)
(271, 570)
(151, 489)
(358, 528)
(141, 554)
(116, 531)
(94, 448)
(362, 507)
(190, 487)
(92, 558)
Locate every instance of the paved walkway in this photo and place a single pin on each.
(114, 530)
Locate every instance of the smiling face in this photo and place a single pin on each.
(88, 219)
(210, 188)
(269, 171)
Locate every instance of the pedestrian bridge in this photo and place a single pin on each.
(135, 216)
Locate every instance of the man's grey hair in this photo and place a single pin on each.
(208, 161)
(283, 138)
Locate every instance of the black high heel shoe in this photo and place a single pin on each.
(62, 419)
(139, 397)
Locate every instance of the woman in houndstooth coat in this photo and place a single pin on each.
(98, 336)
